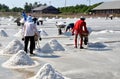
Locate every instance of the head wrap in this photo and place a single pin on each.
(29, 19)
(82, 18)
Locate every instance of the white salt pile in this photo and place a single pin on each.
(60, 18)
(12, 48)
(104, 32)
(55, 45)
(42, 32)
(68, 18)
(19, 60)
(89, 29)
(40, 19)
(19, 34)
(60, 23)
(48, 72)
(52, 45)
(47, 48)
(3, 33)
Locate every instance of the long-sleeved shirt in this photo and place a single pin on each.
(80, 27)
(29, 29)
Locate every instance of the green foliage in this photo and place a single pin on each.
(27, 7)
(16, 9)
(78, 8)
(4, 8)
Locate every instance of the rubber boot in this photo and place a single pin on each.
(81, 42)
(75, 43)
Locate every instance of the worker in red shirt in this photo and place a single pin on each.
(81, 30)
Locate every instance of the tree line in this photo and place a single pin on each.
(82, 8)
(27, 7)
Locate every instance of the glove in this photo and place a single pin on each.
(22, 39)
(40, 39)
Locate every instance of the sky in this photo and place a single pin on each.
(55, 3)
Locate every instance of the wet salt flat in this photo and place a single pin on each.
(100, 60)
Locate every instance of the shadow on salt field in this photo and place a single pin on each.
(47, 56)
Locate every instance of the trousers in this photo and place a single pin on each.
(32, 44)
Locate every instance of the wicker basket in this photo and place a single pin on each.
(36, 37)
(85, 34)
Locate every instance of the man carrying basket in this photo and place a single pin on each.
(81, 30)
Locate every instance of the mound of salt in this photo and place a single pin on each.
(89, 29)
(3, 33)
(60, 23)
(47, 48)
(48, 72)
(55, 45)
(12, 48)
(40, 19)
(106, 31)
(52, 45)
(19, 60)
(68, 18)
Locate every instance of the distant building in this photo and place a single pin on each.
(112, 7)
(46, 9)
